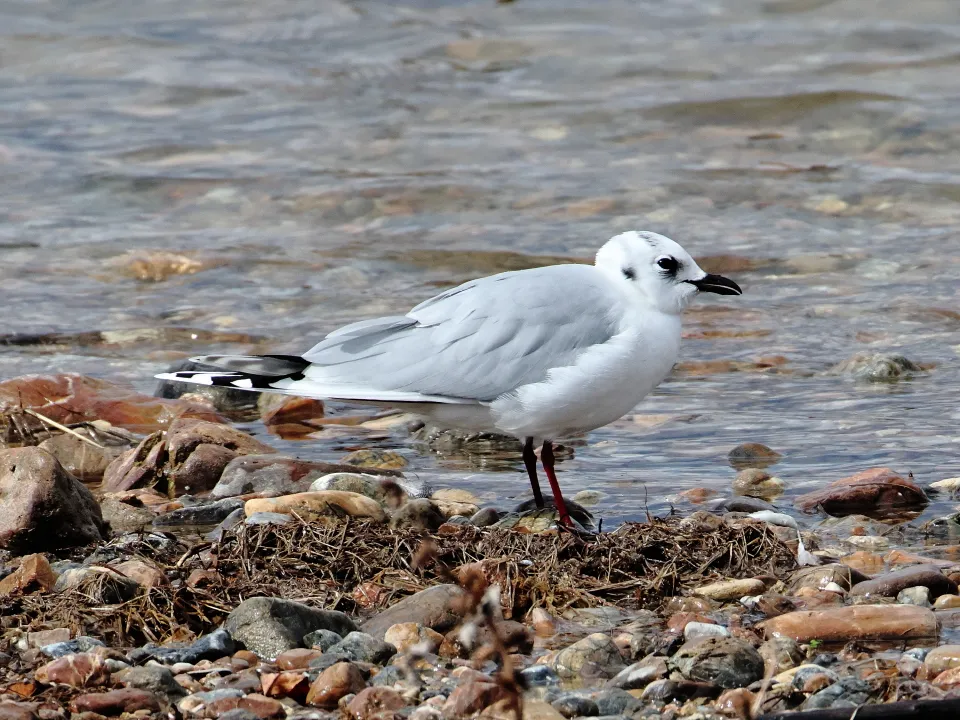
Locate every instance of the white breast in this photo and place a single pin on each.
(606, 382)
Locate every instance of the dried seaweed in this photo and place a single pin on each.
(359, 566)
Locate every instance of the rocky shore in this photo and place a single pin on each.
(159, 562)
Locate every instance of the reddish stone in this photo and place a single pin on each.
(260, 705)
(10, 710)
(335, 682)
(371, 702)
(472, 697)
(71, 398)
(870, 490)
(78, 670)
(291, 684)
(117, 702)
(678, 621)
(297, 658)
(33, 575)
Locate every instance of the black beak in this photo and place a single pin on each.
(716, 284)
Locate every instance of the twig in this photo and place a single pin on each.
(63, 428)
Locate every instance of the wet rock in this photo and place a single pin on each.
(12, 710)
(639, 675)
(876, 367)
(945, 657)
(321, 639)
(594, 656)
(420, 513)
(117, 702)
(614, 701)
(740, 504)
(268, 626)
(43, 507)
(754, 482)
(780, 654)
(485, 517)
(915, 596)
(877, 490)
(84, 461)
(539, 676)
(737, 703)
(296, 658)
(377, 487)
(727, 662)
(33, 574)
(371, 703)
(81, 644)
(848, 692)
(668, 690)
(288, 684)
(196, 703)
(261, 706)
(209, 647)
(821, 576)
(730, 589)
(471, 697)
(71, 398)
(272, 475)
(189, 457)
(203, 514)
(890, 584)
(153, 678)
(311, 505)
(290, 416)
(360, 647)
(78, 671)
(404, 636)
(334, 683)
(753, 455)
(145, 574)
(436, 608)
(268, 518)
(575, 705)
(948, 680)
(372, 458)
(124, 516)
(859, 622)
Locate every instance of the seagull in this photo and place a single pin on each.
(537, 354)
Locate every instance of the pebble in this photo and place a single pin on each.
(575, 705)
(847, 692)
(155, 678)
(312, 505)
(373, 458)
(725, 661)
(945, 657)
(890, 584)
(870, 491)
(699, 630)
(918, 595)
(116, 702)
(404, 636)
(335, 683)
(360, 647)
(858, 622)
(540, 676)
(436, 608)
(730, 589)
(321, 639)
(753, 455)
(79, 644)
(78, 671)
(268, 626)
(209, 647)
(594, 656)
(780, 654)
(204, 514)
(374, 703)
(755, 482)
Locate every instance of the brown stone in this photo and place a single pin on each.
(437, 608)
(43, 507)
(679, 620)
(858, 622)
(288, 684)
(948, 679)
(260, 705)
(10, 710)
(890, 584)
(77, 670)
(145, 574)
(292, 416)
(471, 697)
(202, 469)
(117, 702)
(297, 658)
(33, 575)
(335, 682)
(819, 576)
(322, 503)
(945, 657)
(374, 702)
(404, 636)
(84, 461)
(72, 398)
(736, 702)
(877, 489)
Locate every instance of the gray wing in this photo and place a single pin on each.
(476, 341)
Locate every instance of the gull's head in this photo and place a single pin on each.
(658, 270)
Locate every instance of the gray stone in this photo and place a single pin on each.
(727, 662)
(227, 524)
(876, 367)
(848, 692)
(191, 703)
(321, 639)
(124, 517)
(614, 701)
(268, 518)
(388, 677)
(779, 654)
(918, 595)
(418, 513)
(205, 514)
(540, 676)
(360, 647)
(805, 673)
(272, 475)
(575, 705)
(80, 644)
(268, 626)
(485, 517)
(432, 608)
(637, 676)
(890, 584)
(595, 656)
(154, 678)
(209, 647)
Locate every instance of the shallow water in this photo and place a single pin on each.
(323, 162)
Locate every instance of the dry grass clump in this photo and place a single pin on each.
(358, 566)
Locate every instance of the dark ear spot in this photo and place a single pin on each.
(629, 273)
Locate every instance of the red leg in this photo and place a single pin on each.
(530, 461)
(546, 455)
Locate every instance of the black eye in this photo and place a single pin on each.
(668, 264)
